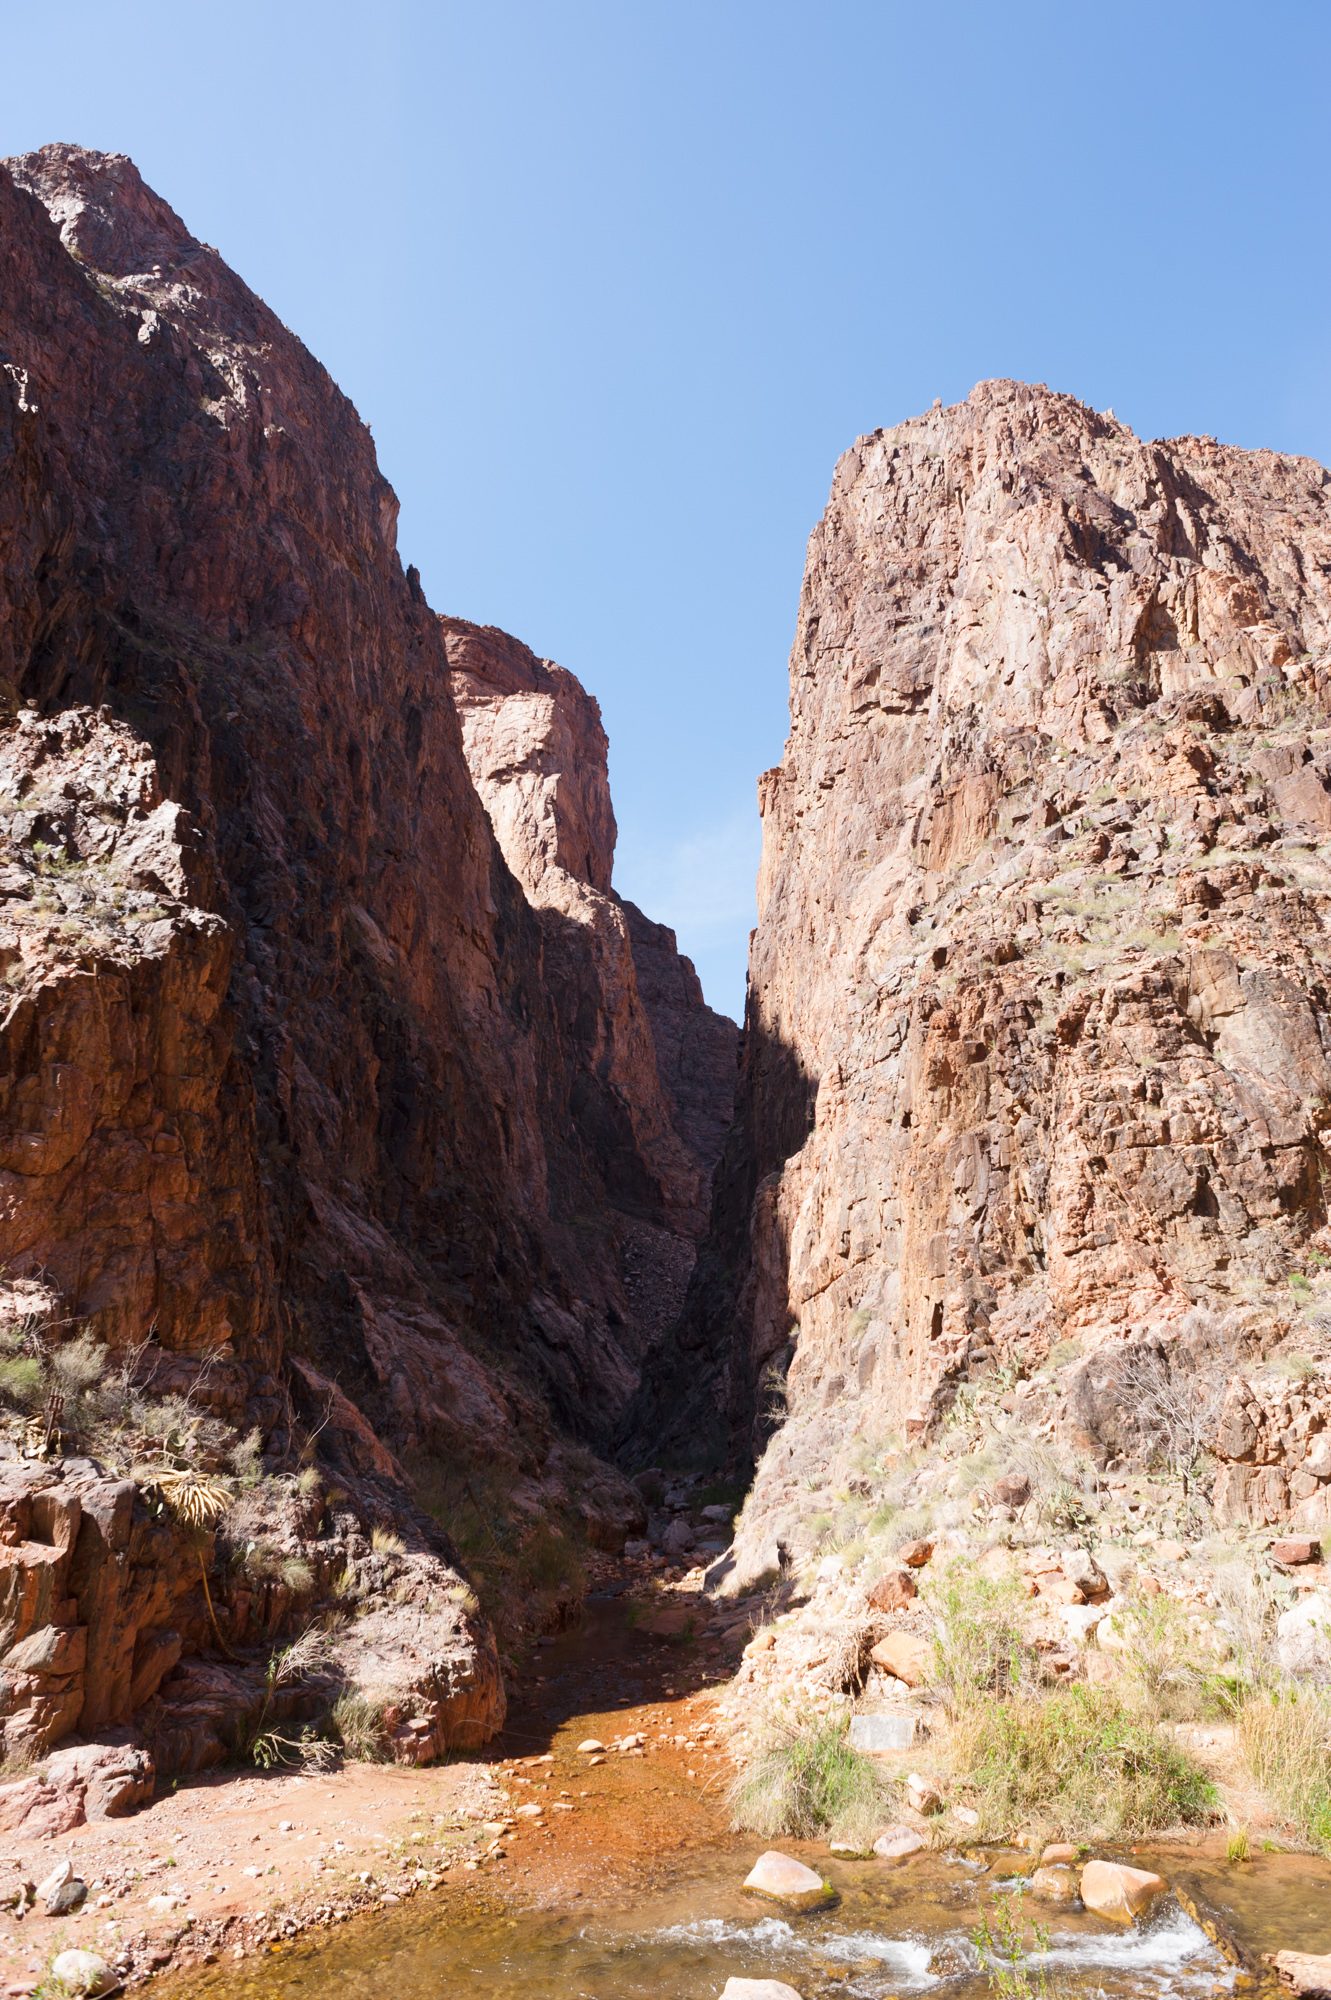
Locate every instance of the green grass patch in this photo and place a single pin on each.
(1078, 1762)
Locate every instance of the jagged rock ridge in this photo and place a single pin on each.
(289, 1082)
(1039, 1037)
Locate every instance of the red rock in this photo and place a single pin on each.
(1295, 1550)
(894, 1591)
(915, 1554)
(906, 1655)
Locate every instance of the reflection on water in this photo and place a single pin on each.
(900, 1932)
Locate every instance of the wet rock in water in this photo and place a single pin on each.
(1112, 1889)
(894, 1591)
(1056, 1884)
(915, 1554)
(905, 1655)
(83, 1972)
(758, 1989)
(881, 1735)
(898, 1843)
(787, 1881)
(1058, 1853)
(1305, 1973)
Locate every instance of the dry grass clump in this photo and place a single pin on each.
(1286, 1737)
(981, 1650)
(803, 1779)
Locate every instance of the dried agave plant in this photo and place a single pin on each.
(199, 1499)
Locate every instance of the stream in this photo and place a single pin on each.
(638, 1893)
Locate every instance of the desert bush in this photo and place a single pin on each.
(1167, 1661)
(357, 1721)
(803, 1778)
(1285, 1734)
(1177, 1389)
(1079, 1761)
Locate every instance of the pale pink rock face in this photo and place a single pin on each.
(1039, 1042)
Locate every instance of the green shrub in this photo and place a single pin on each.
(1079, 1761)
(1286, 1738)
(803, 1779)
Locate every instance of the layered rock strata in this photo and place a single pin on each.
(293, 1097)
(1038, 1053)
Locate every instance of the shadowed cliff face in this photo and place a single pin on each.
(302, 1072)
(1043, 898)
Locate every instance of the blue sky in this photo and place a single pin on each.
(614, 285)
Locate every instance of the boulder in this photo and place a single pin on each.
(898, 1843)
(881, 1735)
(905, 1655)
(1081, 1568)
(915, 1554)
(1303, 1635)
(894, 1591)
(1058, 1853)
(83, 1972)
(1305, 1973)
(784, 1880)
(1112, 1889)
(1012, 1489)
(1294, 1550)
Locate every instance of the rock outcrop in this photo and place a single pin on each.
(1038, 1052)
(344, 1111)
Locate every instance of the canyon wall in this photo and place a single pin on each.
(336, 1102)
(1038, 1052)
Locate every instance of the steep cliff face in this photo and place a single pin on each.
(292, 1096)
(1039, 1041)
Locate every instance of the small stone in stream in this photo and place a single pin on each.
(1111, 1889)
(758, 1989)
(897, 1843)
(880, 1735)
(894, 1591)
(1056, 1885)
(83, 1972)
(915, 1554)
(1058, 1854)
(1304, 1973)
(785, 1880)
(589, 1746)
(1296, 1549)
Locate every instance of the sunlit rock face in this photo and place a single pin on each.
(1038, 1037)
(307, 1069)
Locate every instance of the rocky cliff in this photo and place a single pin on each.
(1038, 1056)
(330, 1113)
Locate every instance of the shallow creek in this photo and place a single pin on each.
(637, 1892)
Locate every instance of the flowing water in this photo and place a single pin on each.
(631, 1914)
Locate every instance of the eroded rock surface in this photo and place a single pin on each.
(344, 1109)
(1038, 1053)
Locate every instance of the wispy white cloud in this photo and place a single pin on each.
(703, 885)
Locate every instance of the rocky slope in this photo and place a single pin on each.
(1038, 1056)
(327, 1113)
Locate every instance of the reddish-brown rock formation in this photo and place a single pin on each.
(1039, 1036)
(303, 1075)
